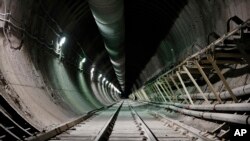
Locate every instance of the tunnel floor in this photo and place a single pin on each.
(129, 121)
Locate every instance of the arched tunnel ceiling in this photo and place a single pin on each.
(50, 87)
(153, 28)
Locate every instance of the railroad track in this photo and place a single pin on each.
(124, 121)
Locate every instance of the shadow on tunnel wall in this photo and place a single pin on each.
(67, 84)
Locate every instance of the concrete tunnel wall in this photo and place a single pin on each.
(48, 92)
(190, 31)
(44, 90)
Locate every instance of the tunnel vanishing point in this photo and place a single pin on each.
(124, 70)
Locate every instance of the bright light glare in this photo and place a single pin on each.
(104, 79)
(92, 73)
(83, 60)
(92, 70)
(100, 75)
(81, 63)
(62, 41)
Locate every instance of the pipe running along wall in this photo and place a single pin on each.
(109, 17)
(238, 92)
(234, 107)
(232, 118)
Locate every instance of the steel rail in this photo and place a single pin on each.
(147, 130)
(63, 127)
(104, 133)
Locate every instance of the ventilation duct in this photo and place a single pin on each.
(109, 17)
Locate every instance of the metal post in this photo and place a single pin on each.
(184, 87)
(207, 80)
(165, 91)
(145, 94)
(156, 92)
(160, 92)
(171, 90)
(211, 60)
(143, 98)
(194, 82)
(148, 93)
(133, 96)
(178, 88)
(138, 96)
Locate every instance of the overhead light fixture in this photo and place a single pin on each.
(62, 41)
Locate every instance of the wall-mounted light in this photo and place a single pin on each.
(107, 82)
(92, 70)
(92, 73)
(81, 63)
(100, 75)
(62, 41)
(103, 80)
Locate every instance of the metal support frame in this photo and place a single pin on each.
(165, 91)
(184, 87)
(207, 81)
(149, 94)
(194, 82)
(178, 88)
(156, 92)
(144, 93)
(160, 92)
(153, 93)
(193, 58)
(173, 97)
(138, 96)
(142, 96)
(216, 68)
(170, 89)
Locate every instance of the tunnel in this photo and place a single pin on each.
(124, 69)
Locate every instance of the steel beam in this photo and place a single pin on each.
(178, 88)
(185, 89)
(194, 82)
(216, 68)
(207, 81)
(166, 93)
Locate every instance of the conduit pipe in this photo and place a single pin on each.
(109, 17)
(235, 107)
(232, 118)
(240, 91)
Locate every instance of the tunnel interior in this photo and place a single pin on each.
(60, 59)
